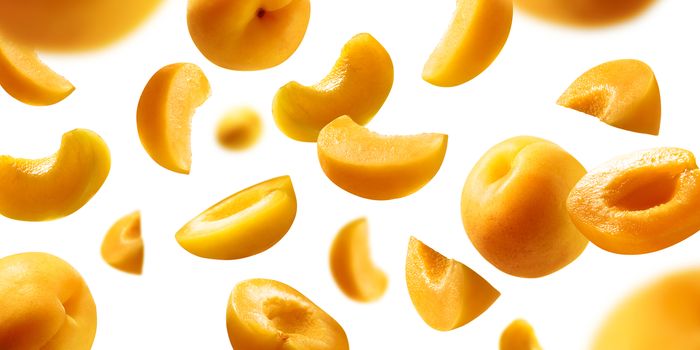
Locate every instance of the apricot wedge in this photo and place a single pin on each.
(519, 335)
(379, 167)
(122, 247)
(165, 111)
(351, 264)
(584, 13)
(357, 86)
(622, 93)
(244, 224)
(239, 129)
(475, 37)
(56, 186)
(639, 203)
(446, 294)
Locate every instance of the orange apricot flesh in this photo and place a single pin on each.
(122, 247)
(584, 13)
(519, 335)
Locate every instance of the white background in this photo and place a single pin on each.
(180, 301)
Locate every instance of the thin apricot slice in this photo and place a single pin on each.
(357, 86)
(351, 264)
(239, 129)
(446, 294)
(269, 315)
(622, 93)
(519, 335)
(639, 203)
(244, 224)
(165, 111)
(56, 186)
(122, 247)
(379, 167)
(584, 13)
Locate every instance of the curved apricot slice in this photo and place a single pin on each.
(122, 247)
(357, 86)
(239, 129)
(27, 79)
(519, 335)
(639, 203)
(585, 13)
(622, 93)
(45, 304)
(269, 315)
(446, 294)
(247, 34)
(351, 264)
(478, 32)
(165, 111)
(56, 186)
(244, 224)
(379, 167)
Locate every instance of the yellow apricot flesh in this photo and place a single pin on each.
(584, 13)
(357, 86)
(351, 264)
(514, 207)
(122, 247)
(519, 335)
(475, 37)
(45, 304)
(622, 93)
(378, 167)
(165, 111)
(639, 203)
(269, 315)
(56, 186)
(239, 129)
(244, 224)
(446, 293)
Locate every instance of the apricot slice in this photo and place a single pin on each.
(639, 203)
(475, 37)
(247, 34)
(239, 129)
(379, 167)
(584, 13)
(56, 186)
(622, 93)
(514, 207)
(45, 304)
(165, 111)
(519, 335)
(446, 294)
(244, 224)
(357, 86)
(351, 264)
(269, 315)
(122, 247)
(27, 79)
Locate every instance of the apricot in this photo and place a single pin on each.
(378, 167)
(357, 86)
(476, 35)
(247, 34)
(269, 315)
(239, 129)
(514, 207)
(351, 264)
(165, 111)
(122, 247)
(584, 13)
(639, 203)
(244, 224)
(661, 315)
(519, 335)
(622, 93)
(446, 293)
(45, 304)
(56, 186)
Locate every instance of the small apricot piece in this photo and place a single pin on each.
(165, 111)
(379, 167)
(639, 203)
(446, 294)
(357, 86)
(519, 335)
(239, 129)
(122, 247)
(622, 93)
(661, 315)
(478, 32)
(247, 34)
(351, 264)
(514, 207)
(584, 13)
(244, 224)
(269, 315)
(56, 186)
(45, 304)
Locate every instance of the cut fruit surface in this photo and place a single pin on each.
(122, 247)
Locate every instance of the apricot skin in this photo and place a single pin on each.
(122, 247)
(519, 335)
(239, 129)
(584, 13)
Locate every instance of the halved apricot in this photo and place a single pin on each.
(519, 335)
(122, 247)
(585, 13)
